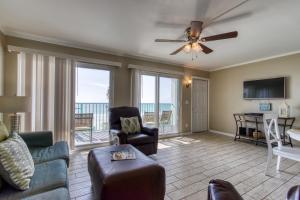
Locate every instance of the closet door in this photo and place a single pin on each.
(199, 105)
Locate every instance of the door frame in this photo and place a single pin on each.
(157, 76)
(208, 93)
(111, 99)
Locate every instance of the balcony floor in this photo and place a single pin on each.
(83, 137)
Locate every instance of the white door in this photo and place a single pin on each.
(199, 105)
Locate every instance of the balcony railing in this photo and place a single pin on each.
(100, 113)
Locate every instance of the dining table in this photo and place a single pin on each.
(294, 133)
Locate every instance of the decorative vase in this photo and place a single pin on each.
(284, 110)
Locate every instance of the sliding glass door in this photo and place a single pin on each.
(159, 102)
(92, 101)
(168, 105)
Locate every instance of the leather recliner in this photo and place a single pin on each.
(145, 141)
(222, 190)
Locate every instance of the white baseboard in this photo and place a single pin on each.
(222, 133)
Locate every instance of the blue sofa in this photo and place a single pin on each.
(50, 179)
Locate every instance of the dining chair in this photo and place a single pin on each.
(273, 137)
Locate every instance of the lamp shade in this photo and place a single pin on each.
(14, 104)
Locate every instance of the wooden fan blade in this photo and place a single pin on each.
(222, 36)
(224, 13)
(205, 49)
(178, 50)
(166, 40)
(196, 28)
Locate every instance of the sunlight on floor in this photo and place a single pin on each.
(166, 143)
(162, 146)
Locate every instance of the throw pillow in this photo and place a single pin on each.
(16, 163)
(3, 132)
(130, 125)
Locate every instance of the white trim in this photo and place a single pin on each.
(112, 52)
(200, 78)
(256, 60)
(222, 133)
(63, 55)
(155, 69)
(140, 57)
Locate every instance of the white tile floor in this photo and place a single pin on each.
(192, 161)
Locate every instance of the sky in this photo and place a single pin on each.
(92, 87)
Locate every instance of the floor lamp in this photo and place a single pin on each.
(13, 105)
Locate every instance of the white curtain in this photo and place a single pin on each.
(135, 87)
(48, 81)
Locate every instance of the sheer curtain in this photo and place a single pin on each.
(48, 81)
(135, 87)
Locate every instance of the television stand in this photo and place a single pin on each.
(243, 131)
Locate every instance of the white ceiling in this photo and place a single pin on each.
(128, 27)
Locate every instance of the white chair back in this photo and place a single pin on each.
(271, 130)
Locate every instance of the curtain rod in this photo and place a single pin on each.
(12, 48)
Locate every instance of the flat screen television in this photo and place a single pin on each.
(273, 88)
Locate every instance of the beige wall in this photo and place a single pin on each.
(122, 75)
(226, 90)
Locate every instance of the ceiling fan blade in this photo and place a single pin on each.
(224, 13)
(205, 49)
(231, 18)
(222, 36)
(196, 28)
(166, 40)
(178, 50)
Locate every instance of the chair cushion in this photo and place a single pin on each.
(57, 194)
(16, 163)
(47, 176)
(139, 138)
(59, 150)
(130, 125)
(288, 152)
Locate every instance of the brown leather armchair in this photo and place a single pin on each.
(145, 141)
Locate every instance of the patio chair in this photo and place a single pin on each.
(271, 125)
(165, 118)
(149, 119)
(84, 122)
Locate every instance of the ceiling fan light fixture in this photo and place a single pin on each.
(187, 48)
(196, 47)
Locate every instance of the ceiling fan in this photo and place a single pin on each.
(194, 40)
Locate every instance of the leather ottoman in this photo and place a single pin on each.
(142, 178)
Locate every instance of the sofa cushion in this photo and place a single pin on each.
(3, 132)
(57, 194)
(16, 164)
(139, 138)
(47, 176)
(59, 150)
